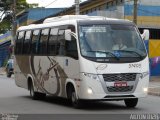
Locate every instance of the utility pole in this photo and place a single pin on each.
(14, 25)
(77, 6)
(135, 12)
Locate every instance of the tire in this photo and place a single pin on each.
(76, 103)
(36, 95)
(131, 103)
(8, 73)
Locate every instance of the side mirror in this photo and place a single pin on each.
(145, 35)
(68, 34)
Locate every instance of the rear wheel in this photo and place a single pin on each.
(131, 103)
(36, 95)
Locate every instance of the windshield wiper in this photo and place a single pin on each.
(132, 52)
(106, 52)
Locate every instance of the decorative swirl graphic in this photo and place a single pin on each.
(41, 77)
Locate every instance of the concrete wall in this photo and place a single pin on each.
(148, 12)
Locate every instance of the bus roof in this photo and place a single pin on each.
(62, 20)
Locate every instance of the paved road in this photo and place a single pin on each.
(16, 100)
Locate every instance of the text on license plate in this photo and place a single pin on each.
(120, 84)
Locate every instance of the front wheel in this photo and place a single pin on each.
(76, 103)
(131, 103)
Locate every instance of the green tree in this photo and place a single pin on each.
(22, 5)
(8, 4)
(6, 7)
(5, 25)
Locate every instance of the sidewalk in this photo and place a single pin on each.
(2, 71)
(154, 86)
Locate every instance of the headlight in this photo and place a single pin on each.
(92, 76)
(145, 90)
(89, 91)
(144, 74)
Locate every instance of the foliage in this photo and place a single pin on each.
(22, 5)
(7, 5)
(5, 26)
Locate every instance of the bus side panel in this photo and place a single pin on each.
(48, 74)
(42, 73)
(21, 69)
(70, 71)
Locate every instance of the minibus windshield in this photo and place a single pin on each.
(105, 41)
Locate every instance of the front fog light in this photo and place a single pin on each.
(89, 90)
(145, 89)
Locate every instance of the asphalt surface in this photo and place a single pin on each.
(16, 100)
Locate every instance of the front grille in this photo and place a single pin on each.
(119, 77)
(120, 89)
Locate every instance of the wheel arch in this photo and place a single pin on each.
(30, 81)
(70, 84)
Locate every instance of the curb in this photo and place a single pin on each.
(154, 91)
(2, 73)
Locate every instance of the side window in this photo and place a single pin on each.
(43, 41)
(26, 43)
(19, 42)
(35, 41)
(53, 39)
(60, 47)
(72, 28)
(71, 48)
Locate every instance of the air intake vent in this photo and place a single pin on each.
(119, 77)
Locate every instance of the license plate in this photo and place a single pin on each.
(120, 84)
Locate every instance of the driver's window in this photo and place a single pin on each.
(71, 46)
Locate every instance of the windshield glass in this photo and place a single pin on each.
(101, 41)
